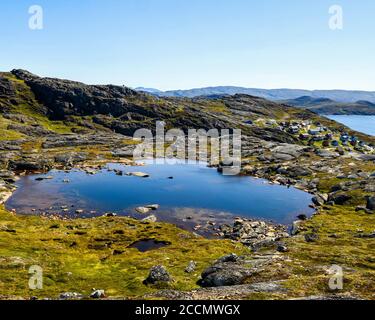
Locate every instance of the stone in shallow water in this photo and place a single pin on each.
(153, 206)
(151, 219)
(143, 210)
(44, 178)
(302, 217)
(138, 174)
(109, 214)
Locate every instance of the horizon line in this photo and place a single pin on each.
(193, 88)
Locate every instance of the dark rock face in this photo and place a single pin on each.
(64, 97)
(123, 110)
(158, 274)
(112, 106)
(29, 164)
(229, 258)
(339, 199)
(6, 88)
(302, 217)
(318, 201)
(371, 203)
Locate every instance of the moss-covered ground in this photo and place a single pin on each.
(82, 254)
(342, 241)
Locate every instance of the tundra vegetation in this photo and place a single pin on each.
(51, 123)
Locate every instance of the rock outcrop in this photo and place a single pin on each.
(255, 234)
(158, 274)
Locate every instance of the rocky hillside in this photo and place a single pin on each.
(62, 113)
(67, 106)
(123, 110)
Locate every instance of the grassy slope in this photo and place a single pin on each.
(338, 244)
(74, 255)
(28, 106)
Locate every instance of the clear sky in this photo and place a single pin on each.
(181, 44)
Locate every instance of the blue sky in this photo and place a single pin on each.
(180, 44)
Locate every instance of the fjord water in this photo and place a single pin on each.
(364, 124)
(195, 194)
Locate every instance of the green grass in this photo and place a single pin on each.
(217, 107)
(27, 105)
(5, 133)
(62, 249)
(338, 244)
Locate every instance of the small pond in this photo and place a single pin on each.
(187, 195)
(148, 245)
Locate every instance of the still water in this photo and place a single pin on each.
(187, 194)
(364, 124)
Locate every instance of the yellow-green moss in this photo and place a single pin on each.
(27, 105)
(5, 133)
(61, 248)
(340, 243)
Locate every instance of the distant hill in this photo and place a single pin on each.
(270, 94)
(319, 101)
(149, 90)
(328, 106)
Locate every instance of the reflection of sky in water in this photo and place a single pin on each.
(365, 124)
(195, 191)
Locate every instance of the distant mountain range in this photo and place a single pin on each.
(330, 107)
(319, 101)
